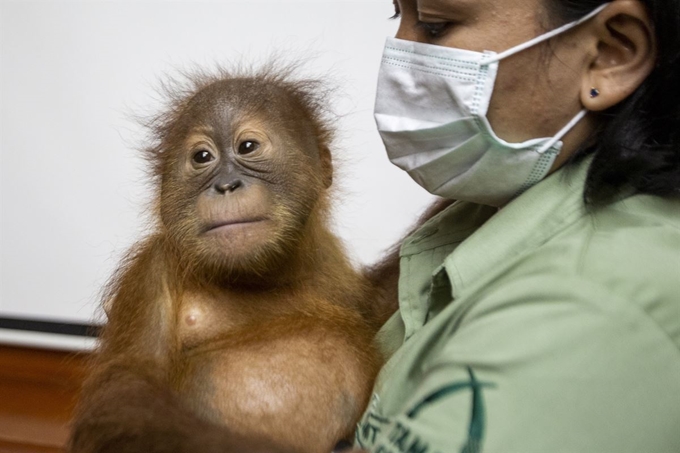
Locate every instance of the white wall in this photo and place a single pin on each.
(72, 189)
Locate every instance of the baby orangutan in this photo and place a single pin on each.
(238, 324)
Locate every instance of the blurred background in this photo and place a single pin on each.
(73, 194)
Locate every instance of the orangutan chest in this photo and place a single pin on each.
(310, 383)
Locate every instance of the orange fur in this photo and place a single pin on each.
(254, 335)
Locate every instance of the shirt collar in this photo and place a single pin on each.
(524, 224)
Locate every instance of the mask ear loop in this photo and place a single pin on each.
(544, 37)
(492, 58)
(549, 144)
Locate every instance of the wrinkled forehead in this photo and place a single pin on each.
(227, 104)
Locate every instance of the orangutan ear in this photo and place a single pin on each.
(326, 166)
(624, 56)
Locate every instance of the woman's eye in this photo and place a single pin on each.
(203, 157)
(248, 147)
(397, 10)
(434, 29)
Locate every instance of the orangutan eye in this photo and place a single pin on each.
(203, 157)
(248, 147)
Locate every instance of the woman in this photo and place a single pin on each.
(541, 313)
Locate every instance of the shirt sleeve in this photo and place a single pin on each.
(545, 365)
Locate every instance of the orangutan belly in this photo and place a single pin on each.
(304, 388)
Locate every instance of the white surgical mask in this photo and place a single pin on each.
(431, 108)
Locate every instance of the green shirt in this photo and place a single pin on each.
(541, 327)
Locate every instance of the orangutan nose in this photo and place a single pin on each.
(228, 187)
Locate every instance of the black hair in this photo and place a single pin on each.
(637, 147)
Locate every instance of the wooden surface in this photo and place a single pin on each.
(38, 390)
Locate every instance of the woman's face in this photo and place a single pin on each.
(537, 91)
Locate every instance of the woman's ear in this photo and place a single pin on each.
(624, 56)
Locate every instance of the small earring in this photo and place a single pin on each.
(594, 92)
